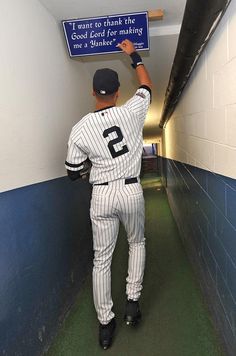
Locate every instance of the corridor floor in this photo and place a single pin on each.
(175, 320)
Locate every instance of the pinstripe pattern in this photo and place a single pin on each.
(112, 140)
(86, 140)
(109, 205)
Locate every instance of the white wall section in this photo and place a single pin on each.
(202, 130)
(42, 94)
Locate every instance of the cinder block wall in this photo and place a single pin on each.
(200, 163)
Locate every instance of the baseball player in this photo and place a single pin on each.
(111, 139)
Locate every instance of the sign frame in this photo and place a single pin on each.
(107, 17)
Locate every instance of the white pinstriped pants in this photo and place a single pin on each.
(111, 204)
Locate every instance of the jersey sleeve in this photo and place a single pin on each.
(140, 102)
(75, 156)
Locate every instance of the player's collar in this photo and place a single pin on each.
(105, 108)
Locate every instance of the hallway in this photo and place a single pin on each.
(175, 319)
(189, 50)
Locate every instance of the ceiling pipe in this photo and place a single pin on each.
(200, 19)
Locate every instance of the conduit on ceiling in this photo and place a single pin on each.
(200, 19)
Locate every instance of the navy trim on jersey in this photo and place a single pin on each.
(147, 88)
(106, 107)
(73, 165)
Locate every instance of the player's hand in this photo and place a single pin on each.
(127, 47)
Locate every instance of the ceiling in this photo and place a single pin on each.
(163, 42)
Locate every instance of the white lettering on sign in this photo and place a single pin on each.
(94, 43)
(84, 26)
(85, 36)
(131, 30)
(77, 45)
(111, 33)
(129, 21)
(76, 36)
(97, 34)
(98, 24)
(109, 22)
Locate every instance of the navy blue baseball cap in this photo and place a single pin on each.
(105, 81)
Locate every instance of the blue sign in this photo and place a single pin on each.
(100, 35)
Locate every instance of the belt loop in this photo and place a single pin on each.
(105, 183)
(131, 180)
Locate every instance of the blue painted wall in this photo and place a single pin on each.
(45, 254)
(204, 206)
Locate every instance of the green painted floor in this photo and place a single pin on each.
(175, 319)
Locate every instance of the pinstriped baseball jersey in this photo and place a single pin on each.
(112, 139)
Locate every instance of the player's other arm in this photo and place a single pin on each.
(142, 74)
(83, 172)
(77, 163)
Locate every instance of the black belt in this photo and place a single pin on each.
(127, 181)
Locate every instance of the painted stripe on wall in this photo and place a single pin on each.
(204, 206)
(45, 253)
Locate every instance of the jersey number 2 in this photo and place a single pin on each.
(116, 140)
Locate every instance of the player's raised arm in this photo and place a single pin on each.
(143, 77)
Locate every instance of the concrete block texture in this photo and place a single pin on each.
(206, 113)
(204, 207)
